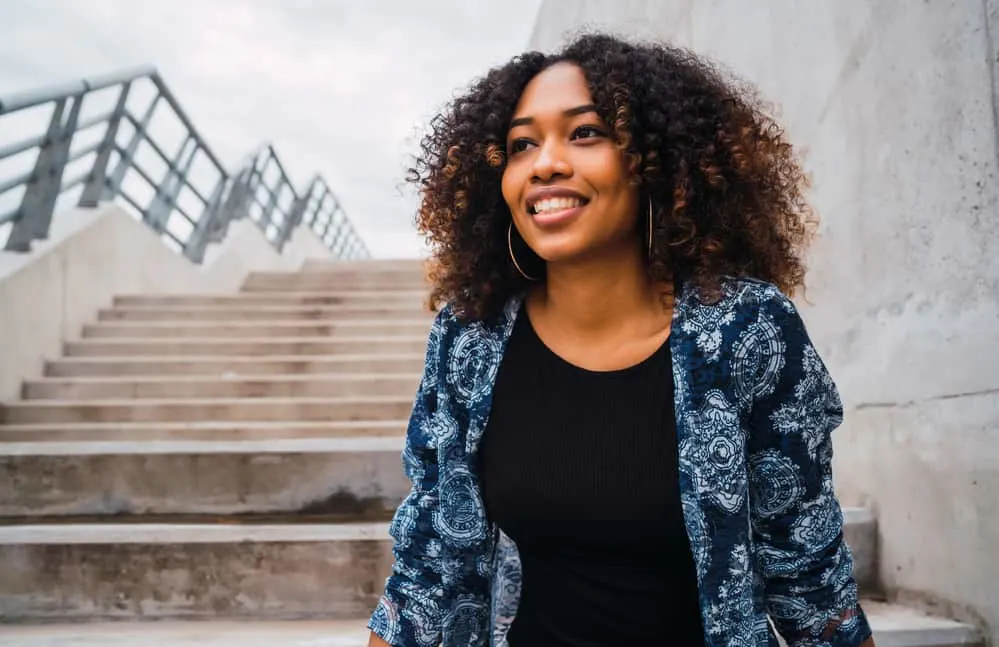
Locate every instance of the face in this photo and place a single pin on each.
(565, 181)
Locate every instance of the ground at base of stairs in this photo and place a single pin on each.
(190, 634)
(894, 626)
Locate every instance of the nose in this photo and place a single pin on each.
(550, 162)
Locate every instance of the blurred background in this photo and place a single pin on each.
(342, 88)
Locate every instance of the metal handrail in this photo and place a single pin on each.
(267, 197)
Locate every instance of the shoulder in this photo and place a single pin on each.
(450, 326)
(755, 296)
(741, 302)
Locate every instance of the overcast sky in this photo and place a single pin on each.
(339, 86)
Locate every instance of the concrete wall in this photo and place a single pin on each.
(893, 103)
(93, 254)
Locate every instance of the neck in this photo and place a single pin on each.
(603, 293)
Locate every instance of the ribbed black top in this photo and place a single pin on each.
(579, 468)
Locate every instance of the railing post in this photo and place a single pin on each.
(293, 220)
(210, 220)
(234, 207)
(42, 191)
(94, 188)
(163, 202)
(113, 187)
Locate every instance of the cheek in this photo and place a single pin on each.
(510, 186)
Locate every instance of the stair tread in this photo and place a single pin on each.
(247, 377)
(896, 625)
(201, 402)
(201, 633)
(353, 633)
(192, 533)
(283, 295)
(207, 425)
(277, 323)
(291, 307)
(149, 446)
(240, 358)
(270, 339)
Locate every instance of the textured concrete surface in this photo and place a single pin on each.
(191, 634)
(101, 571)
(893, 104)
(94, 254)
(261, 313)
(232, 366)
(196, 409)
(124, 329)
(200, 386)
(329, 296)
(337, 478)
(400, 277)
(162, 437)
(262, 347)
(893, 627)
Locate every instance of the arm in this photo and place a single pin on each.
(797, 524)
(411, 604)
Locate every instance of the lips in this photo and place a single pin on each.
(558, 216)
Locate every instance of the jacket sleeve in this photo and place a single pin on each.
(797, 523)
(411, 610)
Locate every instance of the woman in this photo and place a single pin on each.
(622, 434)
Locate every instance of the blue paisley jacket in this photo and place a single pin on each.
(754, 410)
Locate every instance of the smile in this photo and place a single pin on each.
(554, 204)
(556, 211)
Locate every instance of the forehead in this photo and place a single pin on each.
(555, 89)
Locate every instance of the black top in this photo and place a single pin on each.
(579, 468)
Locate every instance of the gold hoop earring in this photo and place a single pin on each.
(509, 246)
(651, 230)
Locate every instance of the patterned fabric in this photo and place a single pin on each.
(755, 407)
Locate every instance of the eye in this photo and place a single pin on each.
(520, 145)
(588, 132)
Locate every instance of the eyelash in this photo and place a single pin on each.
(596, 131)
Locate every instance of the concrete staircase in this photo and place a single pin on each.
(234, 457)
(220, 456)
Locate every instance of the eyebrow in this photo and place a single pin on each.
(571, 112)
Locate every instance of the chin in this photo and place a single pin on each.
(555, 248)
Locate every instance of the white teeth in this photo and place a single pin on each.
(556, 204)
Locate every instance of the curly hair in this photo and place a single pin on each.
(728, 187)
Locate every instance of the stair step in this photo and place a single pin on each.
(900, 626)
(105, 571)
(373, 266)
(192, 410)
(351, 478)
(260, 347)
(200, 633)
(249, 386)
(353, 297)
(893, 626)
(233, 366)
(262, 313)
(111, 437)
(320, 280)
(230, 330)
